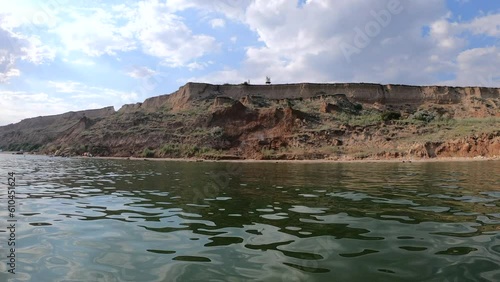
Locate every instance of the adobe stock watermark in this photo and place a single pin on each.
(218, 182)
(47, 11)
(44, 15)
(364, 36)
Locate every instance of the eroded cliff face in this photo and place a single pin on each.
(391, 95)
(484, 144)
(289, 121)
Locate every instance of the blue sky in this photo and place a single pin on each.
(61, 55)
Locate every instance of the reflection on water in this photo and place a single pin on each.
(118, 220)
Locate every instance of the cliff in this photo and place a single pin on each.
(32, 133)
(287, 121)
(356, 92)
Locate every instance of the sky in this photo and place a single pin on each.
(61, 55)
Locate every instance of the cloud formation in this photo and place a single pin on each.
(16, 47)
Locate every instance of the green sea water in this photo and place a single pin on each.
(123, 220)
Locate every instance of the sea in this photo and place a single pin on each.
(89, 219)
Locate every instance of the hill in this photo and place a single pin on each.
(287, 121)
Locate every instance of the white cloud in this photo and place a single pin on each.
(141, 72)
(217, 23)
(444, 34)
(66, 86)
(197, 65)
(94, 32)
(166, 36)
(7, 66)
(232, 9)
(81, 62)
(486, 25)
(392, 47)
(309, 49)
(219, 77)
(16, 47)
(18, 105)
(479, 67)
(150, 26)
(84, 95)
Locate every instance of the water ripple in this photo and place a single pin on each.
(118, 220)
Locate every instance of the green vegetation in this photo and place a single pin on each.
(268, 153)
(169, 149)
(175, 150)
(27, 147)
(364, 119)
(217, 132)
(389, 115)
(148, 153)
(424, 115)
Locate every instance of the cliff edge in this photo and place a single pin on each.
(410, 96)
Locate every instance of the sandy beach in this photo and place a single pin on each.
(444, 159)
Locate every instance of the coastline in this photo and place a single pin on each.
(304, 161)
(289, 123)
(312, 161)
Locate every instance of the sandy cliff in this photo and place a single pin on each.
(356, 92)
(290, 121)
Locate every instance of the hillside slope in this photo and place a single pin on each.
(289, 121)
(33, 133)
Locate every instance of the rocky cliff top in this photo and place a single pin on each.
(389, 94)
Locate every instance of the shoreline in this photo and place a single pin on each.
(305, 161)
(312, 161)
